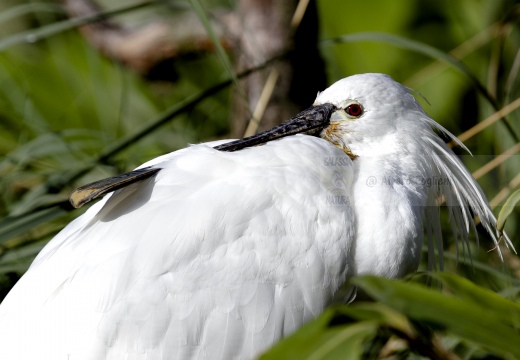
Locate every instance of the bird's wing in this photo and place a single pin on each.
(216, 257)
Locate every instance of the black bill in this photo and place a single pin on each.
(310, 121)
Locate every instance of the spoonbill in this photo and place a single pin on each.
(218, 250)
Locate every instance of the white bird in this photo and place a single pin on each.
(221, 254)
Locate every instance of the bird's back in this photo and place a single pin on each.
(217, 257)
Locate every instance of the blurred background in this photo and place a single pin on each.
(93, 88)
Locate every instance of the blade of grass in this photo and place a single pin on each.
(17, 225)
(496, 161)
(24, 9)
(478, 265)
(22, 252)
(513, 184)
(298, 13)
(228, 67)
(507, 209)
(270, 83)
(34, 35)
(508, 311)
(460, 52)
(261, 105)
(512, 76)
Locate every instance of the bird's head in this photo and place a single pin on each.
(374, 115)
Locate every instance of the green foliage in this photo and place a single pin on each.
(408, 320)
(507, 209)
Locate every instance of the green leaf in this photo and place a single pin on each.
(476, 264)
(458, 316)
(377, 312)
(507, 209)
(319, 340)
(490, 302)
(20, 256)
(16, 225)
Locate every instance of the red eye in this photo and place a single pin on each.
(354, 110)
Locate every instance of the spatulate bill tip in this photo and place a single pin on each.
(86, 193)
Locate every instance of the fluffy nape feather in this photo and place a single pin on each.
(454, 185)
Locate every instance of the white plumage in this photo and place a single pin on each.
(223, 253)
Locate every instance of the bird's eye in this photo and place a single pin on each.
(354, 110)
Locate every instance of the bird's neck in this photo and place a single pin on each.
(389, 198)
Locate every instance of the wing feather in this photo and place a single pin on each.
(217, 256)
